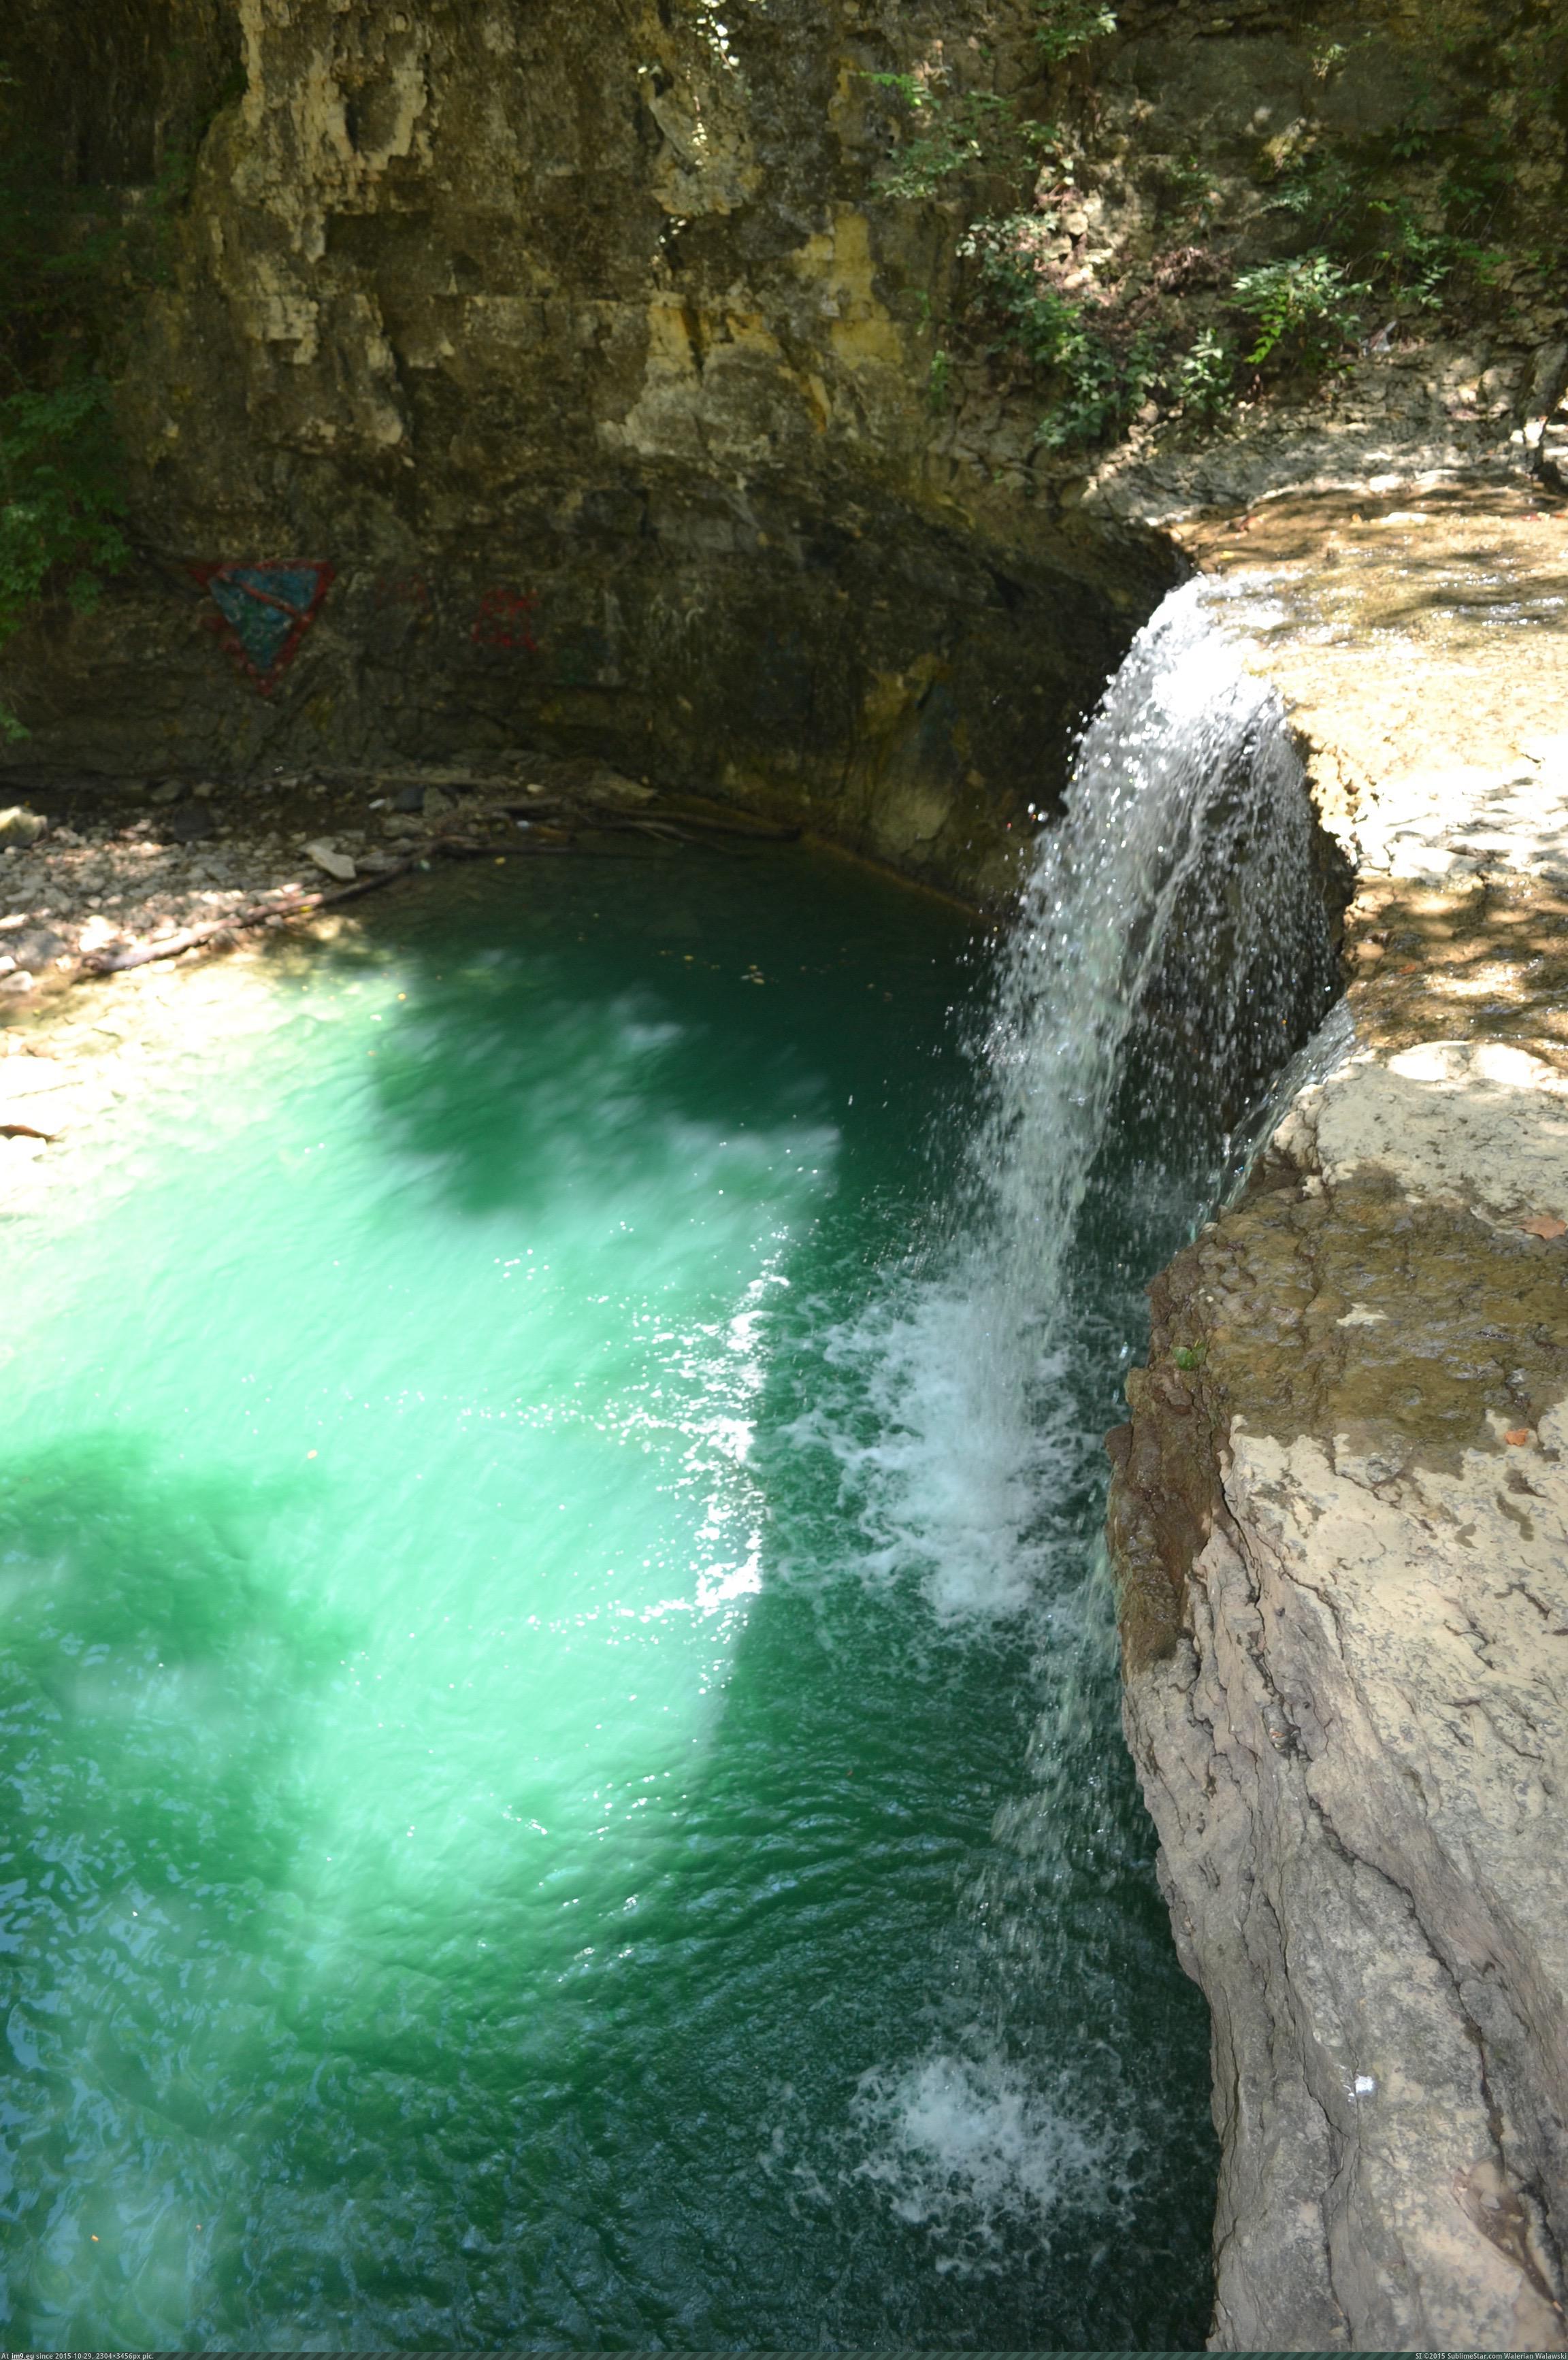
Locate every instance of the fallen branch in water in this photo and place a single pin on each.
(754, 831)
(190, 938)
(561, 819)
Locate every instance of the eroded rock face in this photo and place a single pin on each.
(574, 349)
(1339, 1519)
(639, 420)
(1352, 1720)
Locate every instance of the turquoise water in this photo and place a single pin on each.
(531, 1816)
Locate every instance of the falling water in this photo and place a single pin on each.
(1186, 818)
(558, 1775)
(1172, 950)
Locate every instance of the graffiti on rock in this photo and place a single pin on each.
(263, 613)
(505, 619)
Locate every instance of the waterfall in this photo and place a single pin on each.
(1187, 809)
(1172, 950)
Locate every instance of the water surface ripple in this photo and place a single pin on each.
(540, 1807)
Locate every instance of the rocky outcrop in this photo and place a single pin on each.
(1340, 1512)
(578, 350)
(642, 418)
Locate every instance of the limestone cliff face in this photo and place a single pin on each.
(570, 342)
(1354, 1744)
(1340, 1512)
(636, 414)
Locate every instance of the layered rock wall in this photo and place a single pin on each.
(641, 416)
(572, 345)
(1340, 1512)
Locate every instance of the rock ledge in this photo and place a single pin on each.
(1340, 1521)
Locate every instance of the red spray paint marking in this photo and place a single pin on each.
(505, 620)
(264, 612)
(404, 590)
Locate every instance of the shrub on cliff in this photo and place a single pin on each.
(59, 502)
(61, 265)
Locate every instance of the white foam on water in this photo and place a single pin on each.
(1183, 859)
(941, 1472)
(967, 2147)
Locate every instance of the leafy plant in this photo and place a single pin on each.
(952, 132)
(1187, 193)
(1011, 268)
(1406, 249)
(1305, 309)
(1068, 26)
(1417, 217)
(60, 497)
(1203, 379)
(66, 263)
(1425, 127)
(1104, 377)
(1106, 382)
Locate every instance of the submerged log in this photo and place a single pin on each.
(258, 913)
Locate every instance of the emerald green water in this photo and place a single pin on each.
(529, 1815)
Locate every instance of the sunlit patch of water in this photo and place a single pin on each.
(560, 1717)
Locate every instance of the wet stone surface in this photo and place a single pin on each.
(1340, 1510)
(113, 876)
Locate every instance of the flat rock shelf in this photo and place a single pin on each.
(1341, 1512)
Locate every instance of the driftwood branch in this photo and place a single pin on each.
(671, 829)
(749, 831)
(189, 938)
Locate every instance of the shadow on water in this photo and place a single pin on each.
(153, 1673)
(954, 2086)
(481, 1085)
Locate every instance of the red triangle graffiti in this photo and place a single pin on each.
(264, 612)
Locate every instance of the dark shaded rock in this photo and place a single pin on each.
(33, 948)
(191, 823)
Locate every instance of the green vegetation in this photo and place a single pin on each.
(59, 502)
(1361, 238)
(1105, 362)
(1104, 370)
(1203, 378)
(1068, 26)
(962, 132)
(1305, 307)
(1413, 246)
(66, 265)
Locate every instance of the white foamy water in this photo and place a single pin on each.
(1186, 840)
(962, 2144)
(906, 1375)
(1174, 899)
